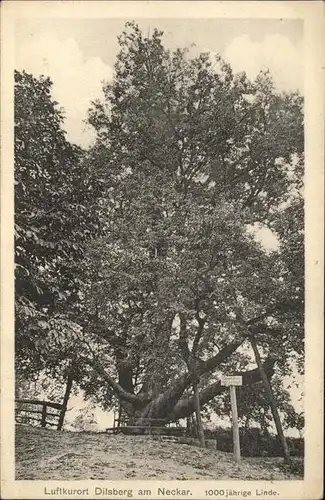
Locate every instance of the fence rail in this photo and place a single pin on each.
(25, 414)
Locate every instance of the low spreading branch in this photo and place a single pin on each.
(186, 406)
(137, 400)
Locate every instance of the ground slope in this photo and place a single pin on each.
(46, 454)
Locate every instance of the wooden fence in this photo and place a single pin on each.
(43, 412)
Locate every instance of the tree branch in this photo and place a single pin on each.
(182, 341)
(219, 358)
(186, 406)
(279, 307)
(137, 400)
(201, 323)
(99, 329)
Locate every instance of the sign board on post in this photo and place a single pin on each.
(231, 381)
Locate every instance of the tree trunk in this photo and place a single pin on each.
(247, 422)
(188, 425)
(272, 401)
(194, 426)
(199, 424)
(172, 405)
(65, 399)
(119, 416)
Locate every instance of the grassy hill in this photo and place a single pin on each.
(46, 454)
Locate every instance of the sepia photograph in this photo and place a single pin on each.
(159, 211)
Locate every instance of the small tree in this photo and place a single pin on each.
(85, 420)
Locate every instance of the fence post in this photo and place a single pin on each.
(235, 427)
(43, 421)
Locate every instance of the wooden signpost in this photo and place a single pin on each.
(231, 381)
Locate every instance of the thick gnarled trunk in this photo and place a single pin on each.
(165, 407)
(172, 405)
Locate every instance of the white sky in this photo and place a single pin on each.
(78, 54)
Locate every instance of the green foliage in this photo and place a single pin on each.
(139, 251)
(85, 420)
(254, 407)
(191, 156)
(53, 221)
(254, 444)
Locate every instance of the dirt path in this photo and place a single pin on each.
(47, 454)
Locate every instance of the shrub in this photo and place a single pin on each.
(254, 444)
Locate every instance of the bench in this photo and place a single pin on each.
(151, 425)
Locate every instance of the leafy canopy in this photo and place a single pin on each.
(138, 254)
(192, 156)
(54, 196)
